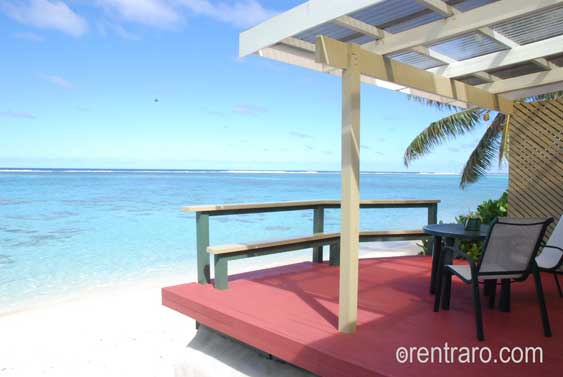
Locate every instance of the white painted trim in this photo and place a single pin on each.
(295, 21)
(524, 82)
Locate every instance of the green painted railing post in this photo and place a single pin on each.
(433, 214)
(432, 219)
(202, 236)
(318, 227)
(221, 273)
(334, 254)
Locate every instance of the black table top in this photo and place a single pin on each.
(456, 231)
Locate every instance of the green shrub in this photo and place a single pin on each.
(487, 212)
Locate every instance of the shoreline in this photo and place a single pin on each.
(368, 250)
(122, 330)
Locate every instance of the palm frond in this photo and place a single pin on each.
(433, 103)
(442, 130)
(484, 153)
(504, 142)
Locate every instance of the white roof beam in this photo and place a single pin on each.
(359, 26)
(446, 59)
(524, 82)
(462, 23)
(520, 54)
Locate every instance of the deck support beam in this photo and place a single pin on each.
(350, 210)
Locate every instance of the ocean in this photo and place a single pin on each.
(64, 231)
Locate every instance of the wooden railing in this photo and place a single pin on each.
(203, 212)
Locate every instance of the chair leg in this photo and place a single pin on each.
(492, 292)
(447, 290)
(438, 289)
(477, 308)
(541, 301)
(558, 285)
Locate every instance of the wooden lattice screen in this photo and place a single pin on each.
(536, 160)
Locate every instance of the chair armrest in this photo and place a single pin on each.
(545, 246)
(458, 253)
(550, 260)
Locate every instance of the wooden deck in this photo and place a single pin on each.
(291, 313)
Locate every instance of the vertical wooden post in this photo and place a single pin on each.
(202, 239)
(318, 227)
(350, 207)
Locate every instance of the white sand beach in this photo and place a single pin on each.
(125, 331)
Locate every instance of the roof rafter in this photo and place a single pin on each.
(516, 55)
(462, 23)
(438, 6)
(370, 30)
(527, 81)
(359, 26)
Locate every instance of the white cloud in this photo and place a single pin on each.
(159, 13)
(28, 36)
(251, 110)
(17, 114)
(59, 81)
(240, 13)
(46, 14)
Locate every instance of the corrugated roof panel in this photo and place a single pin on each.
(471, 80)
(361, 39)
(468, 46)
(414, 22)
(516, 70)
(388, 11)
(329, 29)
(416, 59)
(466, 5)
(534, 27)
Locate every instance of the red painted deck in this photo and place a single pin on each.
(291, 313)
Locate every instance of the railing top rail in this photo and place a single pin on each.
(297, 205)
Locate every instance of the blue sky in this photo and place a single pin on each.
(79, 81)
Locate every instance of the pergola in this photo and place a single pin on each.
(483, 53)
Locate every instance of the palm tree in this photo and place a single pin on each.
(493, 143)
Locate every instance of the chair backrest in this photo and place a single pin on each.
(511, 247)
(556, 238)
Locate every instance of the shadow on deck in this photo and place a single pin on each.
(291, 312)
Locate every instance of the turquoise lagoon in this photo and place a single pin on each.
(65, 231)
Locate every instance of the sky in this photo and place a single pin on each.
(159, 84)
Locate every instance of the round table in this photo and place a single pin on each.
(450, 232)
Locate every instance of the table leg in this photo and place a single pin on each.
(447, 258)
(504, 302)
(436, 253)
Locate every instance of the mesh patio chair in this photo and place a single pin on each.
(551, 257)
(508, 254)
